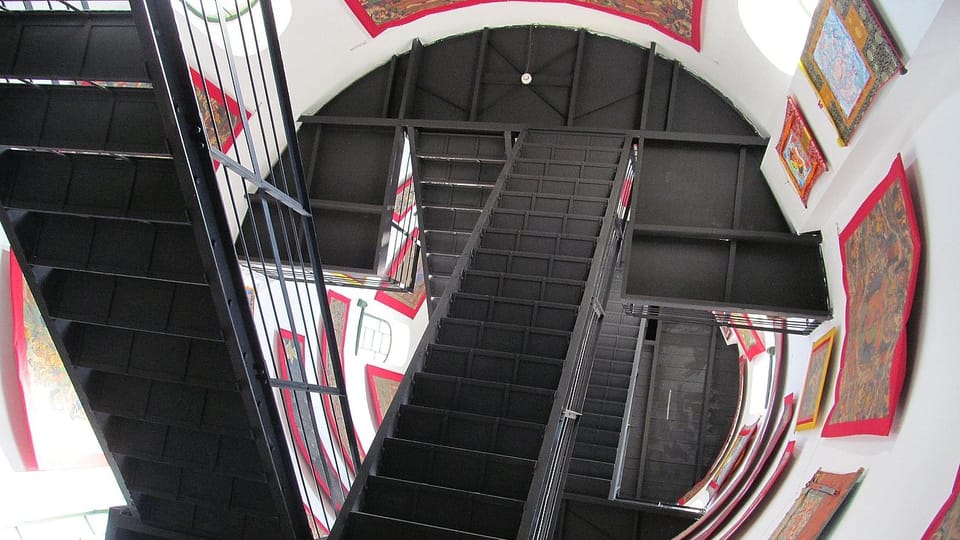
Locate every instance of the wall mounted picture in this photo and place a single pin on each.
(799, 151)
(848, 57)
(749, 339)
(880, 255)
(679, 19)
(813, 383)
(818, 502)
(383, 385)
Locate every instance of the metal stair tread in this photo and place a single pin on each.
(455, 534)
(40, 261)
(158, 219)
(401, 481)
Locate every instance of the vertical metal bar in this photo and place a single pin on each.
(296, 163)
(575, 83)
(478, 74)
(672, 100)
(388, 91)
(410, 83)
(648, 85)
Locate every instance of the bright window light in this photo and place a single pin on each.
(778, 28)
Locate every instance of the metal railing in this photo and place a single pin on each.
(543, 502)
(250, 137)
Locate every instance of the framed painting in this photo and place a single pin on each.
(880, 255)
(848, 57)
(219, 112)
(340, 313)
(733, 457)
(813, 384)
(764, 490)
(946, 524)
(679, 19)
(382, 385)
(818, 502)
(799, 151)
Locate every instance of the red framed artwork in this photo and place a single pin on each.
(340, 313)
(750, 341)
(679, 19)
(799, 151)
(880, 254)
(220, 113)
(405, 303)
(382, 385)
(813, 384)
(765, 490)
(309, 446)
(946, 524)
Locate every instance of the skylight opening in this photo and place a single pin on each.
(778, 28)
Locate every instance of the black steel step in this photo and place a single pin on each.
(462, 146)
(456, 468)
(587, 485)
(442, 507)
(571, 153)
(459, 172)
(446, 194)
(601, 421)
(110, 246)
(545, 222)
(444, 242)
(441, 263)
(538, 243)
(531, 264)
(596, 469)
(156, 356)
(503, 337)
(482, 397)
(448, 219)
(132, 188)
(595, 452)
(209, 490)
(190, 449)
(557, 204)
(534, 183)
(124, 120)
(472, 363)
(131, 303)
(571, 171)
(602, 407)
(609, 394)
(558, 291)
(602, 377)
(364, 526)
(513, 311)
(97, 46)
(470, 431)
(167, 403)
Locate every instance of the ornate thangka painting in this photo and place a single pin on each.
(880, 251)
(848, 56)
(818, 502)
(679, 19)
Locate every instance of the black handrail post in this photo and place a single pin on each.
(296, 164)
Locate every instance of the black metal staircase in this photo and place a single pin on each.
(111, 240)
(462, 455)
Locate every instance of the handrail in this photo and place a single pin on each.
(621, 457)
(234, 118)
(542, 504)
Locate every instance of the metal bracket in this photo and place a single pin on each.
(597, 308)
(570, 414)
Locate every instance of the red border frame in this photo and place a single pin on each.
(24, 441)
(233, 108)
(878, 426)
(291, 420)
(758, 348)
(372, 372)
(374, 29)
(326, 399)
(947, 505)
(785, 459)
(827, 340)
(384, 298)
(794, 117)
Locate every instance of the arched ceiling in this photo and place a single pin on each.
(341, 50)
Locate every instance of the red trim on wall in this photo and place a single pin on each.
(23, 438)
